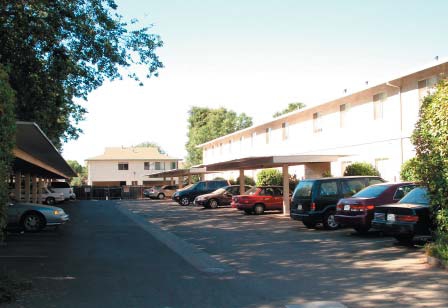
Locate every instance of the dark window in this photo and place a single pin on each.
(351, 187)
(200, 186)
(402, 191)
(158, 165)
(278, 192)
(60, 185)
(173, 165)
(328, 189)
(374, 181)
(123, 166)
(303, 189)
(146, 165)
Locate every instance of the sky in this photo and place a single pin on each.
(255, 57)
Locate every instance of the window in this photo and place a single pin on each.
(402, 191)
(425, 86)
(146, 165)
(343, 113)
(268, 135)
(378, 102)
(329, 188)
(173, 164)
(317, 117)
(285, 131)
(123, 166)
(134, 183)
(351, 187)
(158, 167)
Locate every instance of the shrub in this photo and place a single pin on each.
(269, 177)
(361, 168)
(247, 181)
(409, 171)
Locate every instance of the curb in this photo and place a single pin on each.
(436, 262)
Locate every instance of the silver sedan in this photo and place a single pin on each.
(34, 217)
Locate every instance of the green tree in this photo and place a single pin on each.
(64, 49)
(148, 144)
(408, 171)
(269, 177)
(247, 181)
(361, 168)
(205, 124)
(7, 141)
(430, 139)
(80, 170)
(291, 107)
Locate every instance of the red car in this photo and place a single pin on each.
(260, 199)
(357, 211)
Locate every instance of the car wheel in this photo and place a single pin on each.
(362, 229)
(404, 238)
(329, 221)
(248, 212)
(50, 201)
(309, 224)
(213, 203)
(33, 222)
(184, 201)
(258, 209)
(161, 196)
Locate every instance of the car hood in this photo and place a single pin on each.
(33, 206)
(404, 205)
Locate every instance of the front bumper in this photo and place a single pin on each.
(57, 220)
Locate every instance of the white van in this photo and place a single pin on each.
(64, 188)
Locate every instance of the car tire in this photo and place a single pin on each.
(309, 224)
(404, 238)
(213, 203)
(329, 222)
(161, 196)
(362, 229)
(50, 201)
(258, 209)
(184, 201)
(33, 222)
(248, 212)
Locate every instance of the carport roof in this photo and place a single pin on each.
(178, 172)
(35, 153)
(261, 162)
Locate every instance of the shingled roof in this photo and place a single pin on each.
(132, 153)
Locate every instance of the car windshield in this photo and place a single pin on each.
(219, 191)
(371, 191)
(251, 191)
(50, 190)
(303, 189)
(416, 196)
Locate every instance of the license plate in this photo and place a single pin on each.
(299, 207)
(347, 207)
(391, 217)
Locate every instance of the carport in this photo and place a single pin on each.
(36, 162)
(263, 162)
(180, 174)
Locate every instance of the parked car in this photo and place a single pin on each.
(187, 195)
(259, 199)
(149, 191)
(162, 192)
(408, 218)
(357, 211)
(219, 197)
(314, 200)
(63, 187)
(33, 217)
(48, 196)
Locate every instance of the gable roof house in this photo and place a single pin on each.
(120, 166)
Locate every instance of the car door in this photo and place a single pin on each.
(328, 195)
(13, 213)
(278, 198)
(267, 196)
(226, 197)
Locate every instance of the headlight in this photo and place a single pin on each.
(58, 212)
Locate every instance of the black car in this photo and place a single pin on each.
(186, 195)
(219, 197)
(408, 218)
(314, 200)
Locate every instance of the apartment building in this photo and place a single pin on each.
(120, 166)
(371, 125)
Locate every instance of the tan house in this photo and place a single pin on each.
(120, 166)
(373, 124)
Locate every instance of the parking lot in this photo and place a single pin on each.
(293, 264)
(153, 253)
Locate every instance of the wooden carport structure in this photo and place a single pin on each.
(36, 162)
(180, 174)
(262, 162)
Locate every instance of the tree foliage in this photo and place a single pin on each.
(430, 139)
(7, 141)
(269, 177)
(247, 181)
(64, 49)
(205, 124)
(408, 171)
(148, 144)
(80, 170)
(291, 107)
(361, 168)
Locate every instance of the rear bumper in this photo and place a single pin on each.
(396, 227)
(307, 216)
(352, 221)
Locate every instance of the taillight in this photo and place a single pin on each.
(361, 208)
(313, 206)
(339, 207)
(406, 218)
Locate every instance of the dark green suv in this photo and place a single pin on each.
(314, 200)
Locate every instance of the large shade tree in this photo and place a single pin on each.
(59, 50)
(205, 124)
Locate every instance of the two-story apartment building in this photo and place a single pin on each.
(372, 125)
(120, 166)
